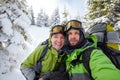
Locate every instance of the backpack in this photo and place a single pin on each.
(105, 34)
(108, 42)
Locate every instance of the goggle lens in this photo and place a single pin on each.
(73, 24)
(57, 29)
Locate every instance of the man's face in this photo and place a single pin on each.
(57, 41)
(73, 36)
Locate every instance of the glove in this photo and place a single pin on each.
(60, 73)
(45, 76)
(57, 75)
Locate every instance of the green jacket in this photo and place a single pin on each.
(101, 67)
(49, 63)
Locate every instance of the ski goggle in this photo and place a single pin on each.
(73, 24)
(57, 29)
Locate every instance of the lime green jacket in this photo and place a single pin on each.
(49, 63)
(100, 65)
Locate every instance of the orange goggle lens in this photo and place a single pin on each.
(73, 24)
(57, 29)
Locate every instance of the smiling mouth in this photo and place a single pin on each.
(59, 44)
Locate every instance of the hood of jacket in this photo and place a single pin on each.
(91, 42)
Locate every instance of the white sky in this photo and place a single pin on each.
(74, 6)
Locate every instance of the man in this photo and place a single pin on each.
(51, 61)
(76, 42)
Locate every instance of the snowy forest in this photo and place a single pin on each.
(16, 17)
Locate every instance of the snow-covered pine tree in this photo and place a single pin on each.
(42, 19)
(98, 8)
(14, 23)
(65, 15)
(55, 18)
(109, 9)
(31, 13)
(46, 19)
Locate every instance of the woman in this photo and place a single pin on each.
(53, 57)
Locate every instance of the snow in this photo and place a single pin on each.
(117, 25)
(7, 30)
(38, 34)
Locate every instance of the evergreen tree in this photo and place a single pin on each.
(13, 12)
(14, 23)
(65, 16)
(42, 19)
(46, 23)
(98, 8)
(55, 18)
(32, 18)
(107, 10)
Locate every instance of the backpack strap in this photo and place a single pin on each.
(77, 60)
(86, 59)
(38, 65)
(43, 53)
(105, 37)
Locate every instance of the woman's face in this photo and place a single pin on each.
(58, 41)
